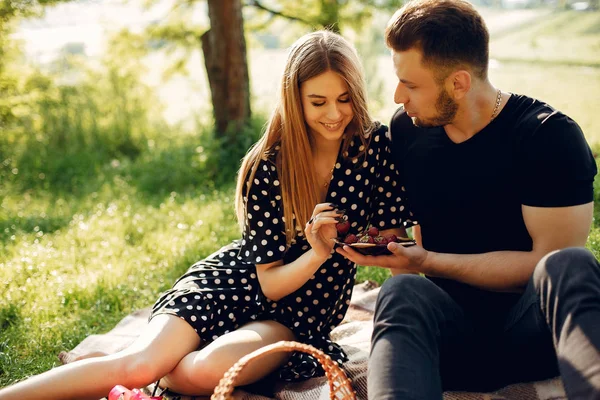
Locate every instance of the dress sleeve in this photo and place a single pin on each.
(263, 238)
(389, 196)
(557, 165)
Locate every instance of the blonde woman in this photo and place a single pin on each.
(321, 157)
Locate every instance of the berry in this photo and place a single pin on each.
(342, 227)
(391, 238)
(380, 240)
(366, 239)
(351, 238)
(373, 231)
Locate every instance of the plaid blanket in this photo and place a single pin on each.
(354, 335)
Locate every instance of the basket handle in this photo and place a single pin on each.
(332, 370)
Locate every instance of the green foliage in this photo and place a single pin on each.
(225, 154)
(370, 46)
(59, 136)
(330, 14)
(9, 316)
(11, 9)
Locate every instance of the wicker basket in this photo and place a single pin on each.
(340, 387)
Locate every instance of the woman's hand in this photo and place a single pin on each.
(320, 229)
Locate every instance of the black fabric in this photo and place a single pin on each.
(425, 343)
(467, 197)
(221, 293)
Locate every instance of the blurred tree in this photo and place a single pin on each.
(10, 10)
(224, 48)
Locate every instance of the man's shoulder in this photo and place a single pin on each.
(530, 116)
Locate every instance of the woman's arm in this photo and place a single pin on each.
(278, 280)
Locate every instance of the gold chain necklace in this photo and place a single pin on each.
(328, 180)
(497, 106)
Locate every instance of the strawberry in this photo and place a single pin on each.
(351, 238)
(366, 239)
(391, 238)
(342, 227)
(380, 240)
(373, 231)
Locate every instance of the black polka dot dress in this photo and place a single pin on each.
(221, 293)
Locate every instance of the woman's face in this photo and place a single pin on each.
(326, 105)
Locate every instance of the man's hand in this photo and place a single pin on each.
(403, 260)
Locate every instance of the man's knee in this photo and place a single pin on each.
(405, 292)
(573, 265)
(400, 287)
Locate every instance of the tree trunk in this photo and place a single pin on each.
(224, 47)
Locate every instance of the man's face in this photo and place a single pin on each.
(425, 101)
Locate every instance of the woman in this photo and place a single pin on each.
(321, 159)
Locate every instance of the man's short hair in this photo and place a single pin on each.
(449, 33)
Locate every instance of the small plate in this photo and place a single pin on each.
(376, 249)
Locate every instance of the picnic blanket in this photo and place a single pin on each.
(353, 334)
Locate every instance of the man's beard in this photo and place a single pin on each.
(446, 109)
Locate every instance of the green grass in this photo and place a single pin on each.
(104, 256)
(563, 37)
(555, 59)
(572, 90)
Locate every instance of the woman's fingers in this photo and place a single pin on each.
(327, 211)
(320, 220)
(322, 207)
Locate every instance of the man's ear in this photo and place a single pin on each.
(459, 83)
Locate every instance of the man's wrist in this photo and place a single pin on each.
(428, 266)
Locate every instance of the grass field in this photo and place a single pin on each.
(73, 264)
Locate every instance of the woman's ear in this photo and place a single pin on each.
(460, 83)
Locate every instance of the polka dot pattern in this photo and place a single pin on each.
(221, 293)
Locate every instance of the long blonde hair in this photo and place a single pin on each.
(310, 56)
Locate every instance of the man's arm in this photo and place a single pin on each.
(550, 228)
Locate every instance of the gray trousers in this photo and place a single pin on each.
(435, 335)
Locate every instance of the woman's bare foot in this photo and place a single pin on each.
(67, 358)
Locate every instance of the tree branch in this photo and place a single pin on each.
(261, 6)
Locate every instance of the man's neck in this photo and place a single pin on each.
(474, 112)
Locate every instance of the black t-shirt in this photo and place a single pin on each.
(467, 197)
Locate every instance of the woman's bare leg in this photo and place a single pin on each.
(199, 372)
(67, 358)
(161, 346)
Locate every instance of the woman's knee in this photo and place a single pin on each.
(204, 373)
(138, 369)
(205, 369)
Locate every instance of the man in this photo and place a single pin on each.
(498, 182)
